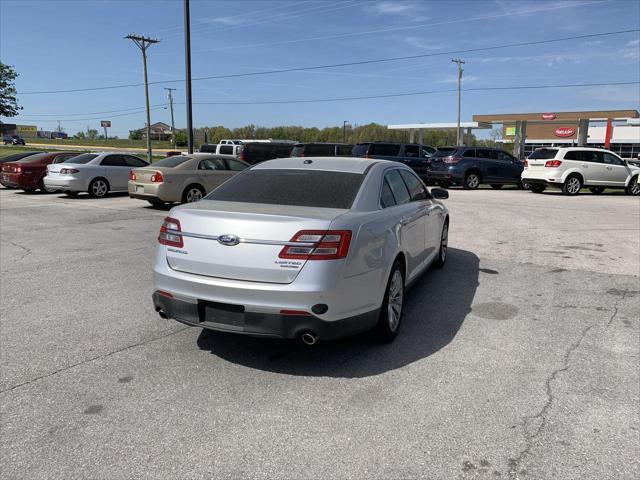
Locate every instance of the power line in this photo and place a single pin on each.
(91, 113)
(427, 92)
(345, 64)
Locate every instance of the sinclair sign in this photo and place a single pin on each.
(564, 132)
(549, 116)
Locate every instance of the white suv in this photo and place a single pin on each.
(572, 168)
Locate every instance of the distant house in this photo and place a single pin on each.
(159, 131)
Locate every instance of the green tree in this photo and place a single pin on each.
(92, 133)
(135, 135)
(80, 135)
(181, 138)
(8, 101)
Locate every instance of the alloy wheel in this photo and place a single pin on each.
(573, 185)
(472, 180)
(99, 188)
(193, 195)
(635, 186)
(444, 241)
(394, 302)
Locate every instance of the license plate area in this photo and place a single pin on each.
(221, 313)
(139, 190)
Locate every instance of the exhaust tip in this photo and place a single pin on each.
(162, 314)
(309, 338)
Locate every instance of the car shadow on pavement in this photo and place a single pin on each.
(435, 309)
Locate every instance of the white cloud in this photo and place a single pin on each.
(222, 20)
(633, 42)
(631, 50)
(613, 93)
(404, 9)
(416, 42)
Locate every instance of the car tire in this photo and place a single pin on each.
(391, 311)
(572, 185)
(29, 190)
(471, 181)
(444, 246)
(193, 193)
(535, 188)
(596, 190)
(156, 203)
(524, 185)
(634, 187)
(98, 188)
(496, 186)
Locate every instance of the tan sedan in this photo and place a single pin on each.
(183, 178)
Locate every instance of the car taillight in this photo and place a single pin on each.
(68, 171)
(241, 156)
(451, 159)
(132, 176)
(157, 177)
(17, 169)
(553, 163)
(169, 233)
(317, 245)
(525, 164)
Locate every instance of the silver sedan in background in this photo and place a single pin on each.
(94, 173)
(309, 248)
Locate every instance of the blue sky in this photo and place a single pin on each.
(57, 45)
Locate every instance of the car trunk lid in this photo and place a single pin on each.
(242, 241)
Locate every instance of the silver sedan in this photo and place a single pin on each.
(94, 173)
(309, 248)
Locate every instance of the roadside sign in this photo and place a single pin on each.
(105, 123)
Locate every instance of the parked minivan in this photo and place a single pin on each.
(413, 155)
(571, 168)
(253, 153)
(322, 150)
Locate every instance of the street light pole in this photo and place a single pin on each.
(187, 68)
(173, 128)
(460, 62)
(143, 44)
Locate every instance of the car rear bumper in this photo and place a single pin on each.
(537, 178)
(18, 180)
(65, 184)
(443, 176)
(146, 191)
(234, 319)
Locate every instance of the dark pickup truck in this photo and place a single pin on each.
(413, 155)
(472, 166)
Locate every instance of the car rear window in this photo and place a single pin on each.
(543, 154)
(81, 159)
(320, 150)
(297, 151)
(360, 150)
(34, 158)
(171, 162)
(385, 149)
(304, 188)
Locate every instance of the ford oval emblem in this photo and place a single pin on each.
(228, 240)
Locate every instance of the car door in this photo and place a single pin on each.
(213, 172)
(411, 215)
(116, 171)
(616, 170)
(429, 209)
(488, 164)
(510, 167)
(592, 167)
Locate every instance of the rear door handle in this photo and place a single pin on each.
(584, 165)
(609, 168)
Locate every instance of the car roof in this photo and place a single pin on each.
(329, 164)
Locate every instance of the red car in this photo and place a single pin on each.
(28, 172)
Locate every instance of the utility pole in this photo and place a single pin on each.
(143, 44)
(173, 128)
(187, 68)
(344, 131)
(460, 62)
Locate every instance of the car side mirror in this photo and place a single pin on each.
(439, 193)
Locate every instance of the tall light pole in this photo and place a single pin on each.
(143, 43)
(460, 62)
(173, 128)
(187, 68)
(344, 131)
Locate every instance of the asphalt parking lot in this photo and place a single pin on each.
(518, 360)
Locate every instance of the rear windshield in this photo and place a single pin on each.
(80, 159)
(297, 150)
(34, 158)
(543, 154)
(360, 149)
(304, 188)
(171, 162)
(320, 150)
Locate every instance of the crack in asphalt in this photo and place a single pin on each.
(514, 463)
(88, 360)
(25, 249)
